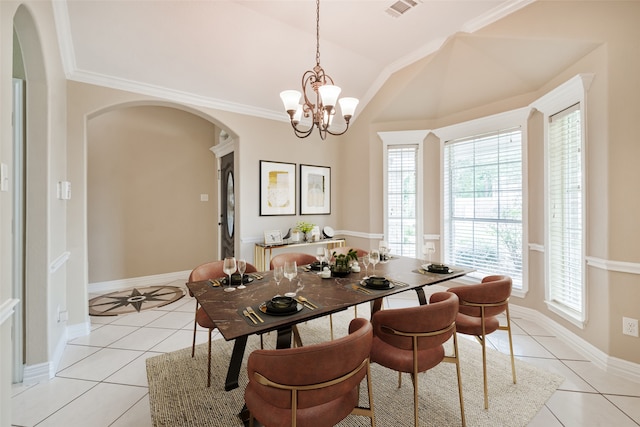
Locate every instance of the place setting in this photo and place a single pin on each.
(236, 277)
(434, 269)
(280, 305)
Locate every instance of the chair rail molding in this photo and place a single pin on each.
(6, 309)
(617, 266)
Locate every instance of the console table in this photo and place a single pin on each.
(263, 253)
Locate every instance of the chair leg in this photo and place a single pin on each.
(209, 362)
(508, 328)
(457, 362)
(484, 370)
(414, 377)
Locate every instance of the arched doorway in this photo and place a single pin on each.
(33, 340)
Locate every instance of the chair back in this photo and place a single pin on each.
(213, 270)
(431, 324)
(492, 295)
(311, 376)
(300, 258)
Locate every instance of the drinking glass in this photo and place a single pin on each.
(430, 249)
(374, 256)
(278, 274)
(365, 261)
(320, 256)
(229, 267)
(242, 267)
(383, 247)
(290, 272)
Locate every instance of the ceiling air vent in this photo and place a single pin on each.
(400, 7)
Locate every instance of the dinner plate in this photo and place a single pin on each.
(263, 308)
(368, 285)
(437, 268)
(316, 266)
(246, 279)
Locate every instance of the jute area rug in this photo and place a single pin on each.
(179, 397)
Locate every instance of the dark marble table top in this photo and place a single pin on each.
(329, 295)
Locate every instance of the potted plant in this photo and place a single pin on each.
(305, 228)
(342, 263)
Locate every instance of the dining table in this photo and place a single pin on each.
(241, 313)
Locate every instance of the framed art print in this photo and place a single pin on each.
(273, 237)
(315, 190)
(277, 188)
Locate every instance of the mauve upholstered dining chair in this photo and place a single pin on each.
(313, 386)
(209, 270)
(300, 258)
(411, 340)
(480, 306)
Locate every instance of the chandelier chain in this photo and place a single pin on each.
(318, 32)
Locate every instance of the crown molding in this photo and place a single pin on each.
(174, 95)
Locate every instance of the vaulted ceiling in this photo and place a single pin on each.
(237, 55)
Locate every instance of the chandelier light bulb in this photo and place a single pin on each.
(329, 95)
(348, 106)
(290, 99)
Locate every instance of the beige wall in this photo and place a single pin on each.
(599, 38)
(555, 40)
(146, 169)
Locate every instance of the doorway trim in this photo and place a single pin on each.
(224, 147)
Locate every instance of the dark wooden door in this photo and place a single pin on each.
(227, 206)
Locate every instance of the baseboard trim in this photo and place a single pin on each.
(156, 279)
(609, 364)
(34, 374)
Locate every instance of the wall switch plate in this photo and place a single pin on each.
(204, 197)
(630, 326)
(4, 177)
(64, 190)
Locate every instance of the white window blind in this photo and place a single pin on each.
(565, 209)
(483, 203)
(402, 199)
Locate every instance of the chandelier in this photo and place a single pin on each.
(319, 85)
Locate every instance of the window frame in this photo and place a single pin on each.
(484, 125)
(405, 138)
(556, 101)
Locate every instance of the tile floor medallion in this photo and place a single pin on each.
(134, 300)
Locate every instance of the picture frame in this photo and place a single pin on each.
(273, 237)
(277, 188)
(315, 190)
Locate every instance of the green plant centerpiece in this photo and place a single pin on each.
(342, 263)
(305, 228)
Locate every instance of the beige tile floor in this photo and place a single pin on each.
(101, 380)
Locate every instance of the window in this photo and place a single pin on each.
(565, 210)
(402, 199)
(402, 157)
(563, 109)
(483, 203)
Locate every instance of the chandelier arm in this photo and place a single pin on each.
(338, 133)
(301, 133)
